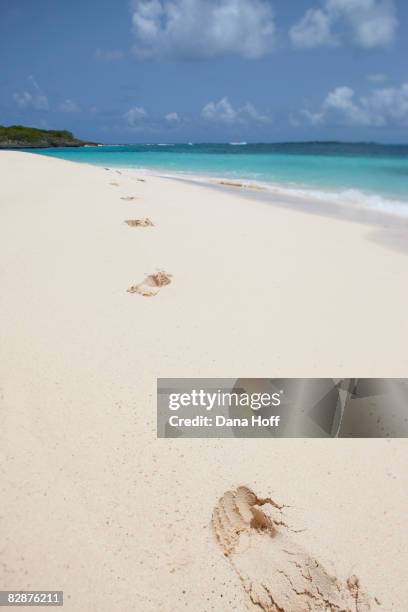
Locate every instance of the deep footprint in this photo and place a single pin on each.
(151, 284)
(276, 572)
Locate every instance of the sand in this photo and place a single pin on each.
(275, 571)
(91, 502)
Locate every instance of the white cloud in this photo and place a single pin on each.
(68, 106)
(172, 118)
(381, 107)
(223, 112)
(313, 30)
(109, 55)
(388, 105)
(366, 23)
(219, 111)
(250, 111)
(34, 98)
(135, 116)
(193, 29)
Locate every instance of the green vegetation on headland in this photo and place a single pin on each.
(20, 137)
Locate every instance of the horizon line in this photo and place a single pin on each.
(245, 143)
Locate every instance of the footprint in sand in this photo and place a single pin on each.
(277, 573)
(151, 284)
(128, 198)
(114, 184)
(139, 222)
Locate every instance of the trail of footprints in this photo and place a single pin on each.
(152, 283)
(277, 573)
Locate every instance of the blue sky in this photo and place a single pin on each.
(207, 70)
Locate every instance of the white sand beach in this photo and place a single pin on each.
(91, 502)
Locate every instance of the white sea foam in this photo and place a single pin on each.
(353, 198)
(346, 197)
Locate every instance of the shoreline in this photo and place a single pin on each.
(369, 202)
(355, 199)
(255, 291)
(291, 192)
(304, 202)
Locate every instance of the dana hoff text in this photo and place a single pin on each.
(222, 421)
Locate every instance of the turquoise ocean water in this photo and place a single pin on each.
(370, 175)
